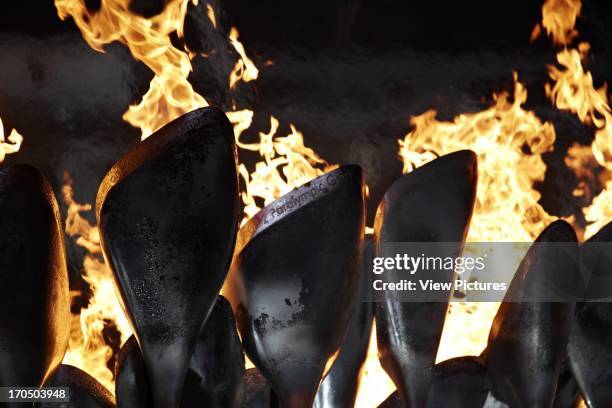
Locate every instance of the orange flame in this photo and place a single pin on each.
(559, 18)
(87, 347)
(506, 207)
(170, 94)
(10, 145)
(287, 161)
(244, 70)
(573, 90)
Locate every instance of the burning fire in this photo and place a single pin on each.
(507, 207)
(10, 145)
(170, 94)
(287, 164)
(87, 347)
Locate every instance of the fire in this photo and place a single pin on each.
(244, 69)
(10, 145)
(573, 90)
(170, 94)
(559, 18)
(287, 164)
(87, 346)
(507, 206)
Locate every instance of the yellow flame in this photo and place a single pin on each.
(506, 207)
(573, 90)
(170, 94)
(287, 163)
(244, 70)
(210, 13)
(559, 18)
(87, 347)
(11, 144)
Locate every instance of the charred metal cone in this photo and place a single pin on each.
(458, 383)
(216, 370)
(528, 338)
(215, 374)
(294, 279)
(432, 204)
(84, 391)
(589, 350)
(339, 387)
(168, 213)
(34, 303)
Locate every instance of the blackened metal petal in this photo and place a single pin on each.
(34, 299)
(339, 387)
(527, 340)
(84, 390)
(589, 350)
(131, 383)
(432, 204)
(215, 374)
(458, 383)
(216, 369)
(293, 281)
(168, 215)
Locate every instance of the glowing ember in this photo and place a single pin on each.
(11, 144)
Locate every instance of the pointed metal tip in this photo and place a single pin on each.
(208, 121)
(558, 231)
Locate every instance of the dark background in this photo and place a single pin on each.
(348, 73)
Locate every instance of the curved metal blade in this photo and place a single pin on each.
(339, 387)
(84, 390)
(589, 350)
(34, 303)
(168, 213)
(432, 204)
(215, 374)
(527, 339)
(294, 278)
